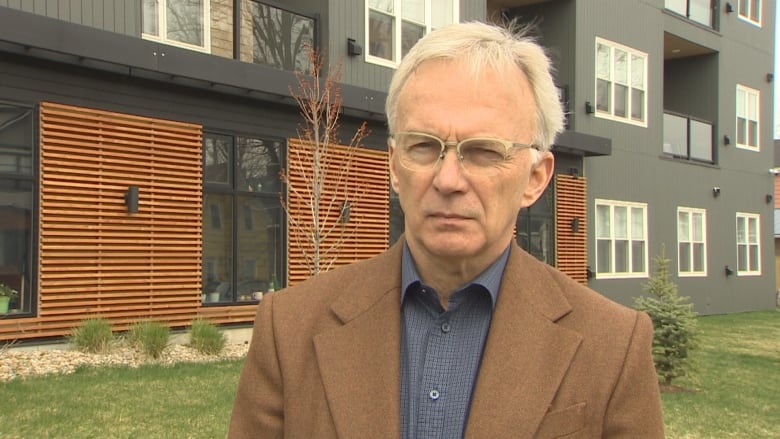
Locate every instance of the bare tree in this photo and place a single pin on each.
(321, 166)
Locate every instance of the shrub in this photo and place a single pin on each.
(93, 335)
(674, 323)
(152, 337)
(206, 338)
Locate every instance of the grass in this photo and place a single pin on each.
(737, 394)
(182, 401)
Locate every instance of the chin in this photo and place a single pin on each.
(452, 247)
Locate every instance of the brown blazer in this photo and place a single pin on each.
(560, 360)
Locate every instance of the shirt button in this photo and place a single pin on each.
(445, 327)
(434, 394)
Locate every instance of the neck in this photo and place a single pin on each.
(446, 274)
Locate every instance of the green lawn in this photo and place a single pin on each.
(738, 389)
(182, 401)
(737, 395)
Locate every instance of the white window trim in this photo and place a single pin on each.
(747, 18)
(631, 51)
(397, 22)
(748, 91)
(162, 25)
(629, 205)
(748, 216)
(691, 211)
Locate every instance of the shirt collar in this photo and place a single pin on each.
(490, 279)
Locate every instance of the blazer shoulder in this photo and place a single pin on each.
(358, 284)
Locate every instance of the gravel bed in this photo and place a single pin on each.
(19, 363)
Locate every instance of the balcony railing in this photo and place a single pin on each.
(688, 138)
(700, 11)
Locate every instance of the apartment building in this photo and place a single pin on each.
(684, 90)
(141, 143)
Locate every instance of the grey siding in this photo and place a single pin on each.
(703, 87)
(120, 16)
(347, 20)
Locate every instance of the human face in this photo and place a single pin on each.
(452, 215)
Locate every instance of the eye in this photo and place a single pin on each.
(483, 152)
(420, 146)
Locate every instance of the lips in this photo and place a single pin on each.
(448, 216)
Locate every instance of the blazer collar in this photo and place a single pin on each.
(526, 354)
(360, 361)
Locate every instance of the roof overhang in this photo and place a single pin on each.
(581, 144)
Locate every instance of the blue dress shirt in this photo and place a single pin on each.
(441, 349)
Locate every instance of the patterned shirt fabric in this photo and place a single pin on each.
(441, 349)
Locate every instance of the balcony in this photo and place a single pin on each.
(688, 138)
(700, 11)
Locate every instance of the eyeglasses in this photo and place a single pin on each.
(479, 155)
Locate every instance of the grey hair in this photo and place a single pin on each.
(486, 46)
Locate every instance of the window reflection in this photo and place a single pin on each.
(242, 225)
(280, 38)
(16, 204)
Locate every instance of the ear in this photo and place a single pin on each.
(392, 164)
(538, 178)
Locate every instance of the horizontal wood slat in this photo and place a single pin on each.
(95, 257)
(571, 246)
(357, 175)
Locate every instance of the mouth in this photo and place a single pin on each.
(446, 216)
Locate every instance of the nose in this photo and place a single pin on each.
(449, 172)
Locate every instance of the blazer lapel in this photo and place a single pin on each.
(526, 354)
(359, 361)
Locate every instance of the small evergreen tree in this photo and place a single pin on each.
(674, 322)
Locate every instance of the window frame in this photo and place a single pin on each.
(749, 11)
(691, 211)
(27, 301)
(748, 91)
(689, 121)
(747, 216)
(631, 52)
(162, 23)
(629, 205)
(235, 222)
(297, 17)
(398, 19)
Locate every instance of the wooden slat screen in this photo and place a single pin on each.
(366, 188)
(95, 257)
(571, 202)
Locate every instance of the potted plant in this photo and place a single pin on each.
(6, 293)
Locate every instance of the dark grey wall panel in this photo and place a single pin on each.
(30, 81)
(120, 16)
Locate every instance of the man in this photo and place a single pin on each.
(455, 331)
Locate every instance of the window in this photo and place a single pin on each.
(621, 239)
(393, 26)
(17, 183)
(691, 241)
(750, 10)
(748, 244)
(184, 23)
(242, 234)
(621, 83)
(747, 118)
(688, 138)
(279, 38)
(535, 227)
(699, 11)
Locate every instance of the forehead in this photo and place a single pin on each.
(451, 96)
